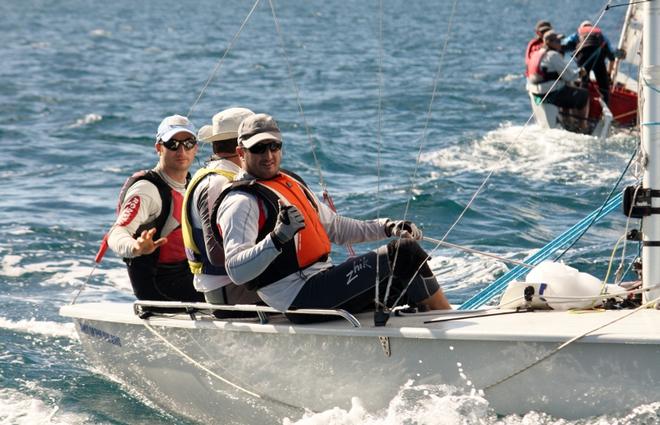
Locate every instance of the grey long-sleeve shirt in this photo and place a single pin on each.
(245, 258)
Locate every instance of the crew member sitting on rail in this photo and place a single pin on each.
(147, 233)
(277, 238)
(537, 42)
(205, 256)
(544, 76)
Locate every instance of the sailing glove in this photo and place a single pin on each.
(289, 222)
(403, 229)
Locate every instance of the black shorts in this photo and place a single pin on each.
(569, 97)
(352, 285)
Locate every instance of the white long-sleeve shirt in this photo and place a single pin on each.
(143, 195)
(245, 259)
(208, 282)
(553, 61)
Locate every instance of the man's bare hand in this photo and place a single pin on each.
(145, 244)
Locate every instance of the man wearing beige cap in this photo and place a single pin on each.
(147, 233)
(548, 74)
(277, 238)
(205, 255)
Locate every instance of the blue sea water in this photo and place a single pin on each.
(85, 84)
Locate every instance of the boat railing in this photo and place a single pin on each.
(144, 309)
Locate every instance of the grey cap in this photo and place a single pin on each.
(257, 128)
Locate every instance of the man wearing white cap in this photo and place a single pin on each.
(147, 233)
(277, 239)
(205, 255)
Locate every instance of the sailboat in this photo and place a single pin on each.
(622, 107)
(569, 364)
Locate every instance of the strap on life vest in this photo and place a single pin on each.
(293, 257)
(194, 248)
(535, 72)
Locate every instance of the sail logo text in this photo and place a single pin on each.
(98, 333)
(358, 265)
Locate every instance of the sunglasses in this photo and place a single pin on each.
(261, 147)
(173, 145)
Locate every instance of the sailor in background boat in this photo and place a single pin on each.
(205, 255)
(277, 238)
(545, 67)
(536, 43)
(594, 49)
(147, 233)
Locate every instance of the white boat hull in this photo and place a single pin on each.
(321, 366)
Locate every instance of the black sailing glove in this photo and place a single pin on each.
(403, 229)
(289, 222)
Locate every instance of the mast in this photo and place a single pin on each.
(622, 41)
(650, 134)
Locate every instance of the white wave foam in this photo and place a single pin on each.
(536, 154)
(100, 33)
(34, 326)
(20, 409)
(510, 77)
(414, 404)
(464, 271)
(87, 119)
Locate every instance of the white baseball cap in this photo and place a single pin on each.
(172, 125)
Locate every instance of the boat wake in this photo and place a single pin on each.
(446, 405)
(537, 154)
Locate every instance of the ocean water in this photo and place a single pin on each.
(85, 84)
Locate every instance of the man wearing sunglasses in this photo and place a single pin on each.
(205, 256)
(277, 239)
(147, 233)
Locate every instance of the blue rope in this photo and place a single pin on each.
(650, 123)
(500, 284)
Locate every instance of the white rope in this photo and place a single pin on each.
(211, 373)
(492, 171)
(569, 342)
(310, 139)
(217, 66)
(379, 141)
(429, 111)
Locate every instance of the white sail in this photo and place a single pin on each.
(631, 42)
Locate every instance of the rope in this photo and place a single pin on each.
(419, 152)
(379, 142)
(213, 374)
(569, 342)
(217, 66)
(508, 147)
(474, 251)
(609, 196)
(626, 4)
(297, 93)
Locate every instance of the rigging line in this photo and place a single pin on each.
(609, 196)
(198, 365)
(608, 7)
(379, 141)
(475, 251)
(429, 112)
(326, 196)
(483, 184)
(508, 147)
(297, 92)
(217, 66)
(569, 342)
